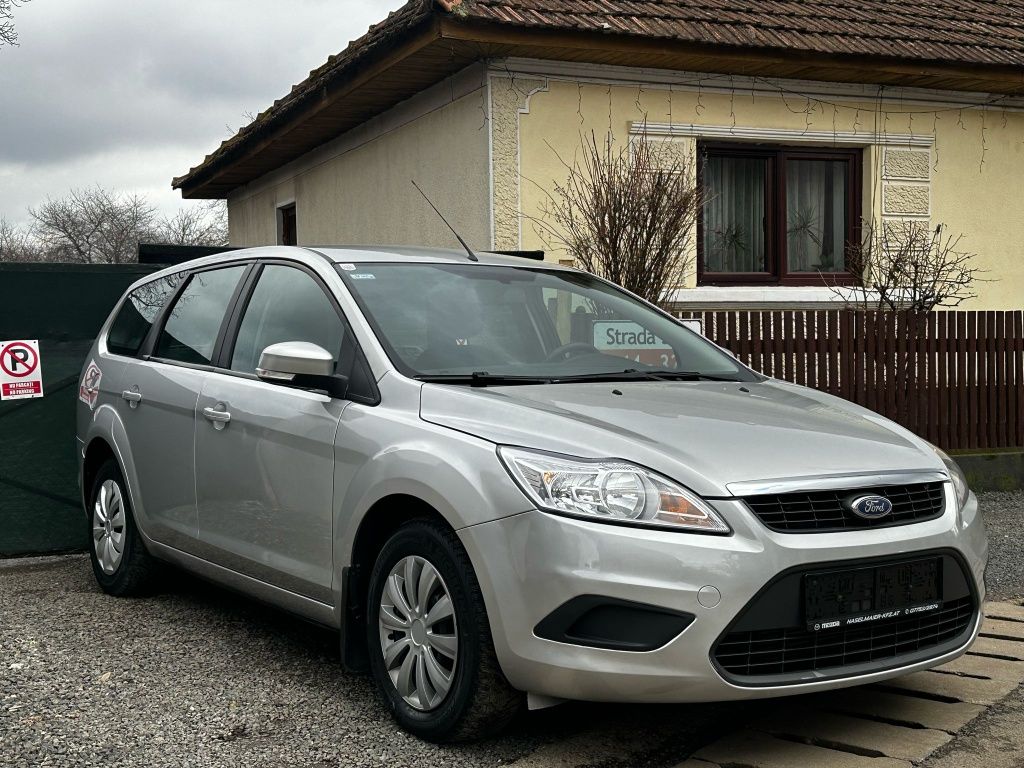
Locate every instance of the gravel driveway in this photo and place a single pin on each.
(1004, 520)
(198, 676)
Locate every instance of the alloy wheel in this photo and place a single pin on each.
(418, 633)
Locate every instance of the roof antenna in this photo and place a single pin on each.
(469, 251)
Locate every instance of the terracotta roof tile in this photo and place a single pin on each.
(954, 31)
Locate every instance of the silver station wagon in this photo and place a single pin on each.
(510, 484)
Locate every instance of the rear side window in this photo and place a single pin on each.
(190, 333)
(287, 305)
(138, 313)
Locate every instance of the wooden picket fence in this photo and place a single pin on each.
(955, 378)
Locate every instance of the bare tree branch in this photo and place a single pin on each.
(93, 226)
(97, 226)
(205, 223)
(8, 34)
(17, 244)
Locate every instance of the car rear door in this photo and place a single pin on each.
(265, 451)
(159, 396)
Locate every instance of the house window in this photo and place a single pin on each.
(777, 215)
(287, 233)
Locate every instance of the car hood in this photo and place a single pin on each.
(705, 435)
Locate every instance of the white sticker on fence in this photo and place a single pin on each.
(694, 324)
(21, 371)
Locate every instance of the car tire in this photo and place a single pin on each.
(479, 700)
(132, 571)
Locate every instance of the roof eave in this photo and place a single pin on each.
(202, 181)
(461, 38)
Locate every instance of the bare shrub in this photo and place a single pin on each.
(626, 214)
(909, 266)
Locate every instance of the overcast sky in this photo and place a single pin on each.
(129, 93)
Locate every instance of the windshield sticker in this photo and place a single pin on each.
(364, 276)
(89, 389)
(347, 267)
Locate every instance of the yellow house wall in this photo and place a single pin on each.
(364, 195)
(979, 194)
(949, 183)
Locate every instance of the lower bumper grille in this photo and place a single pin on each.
(789, 651)
(770, 642)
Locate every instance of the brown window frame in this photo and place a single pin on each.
(775, 206)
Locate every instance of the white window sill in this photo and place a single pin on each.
(752, 294)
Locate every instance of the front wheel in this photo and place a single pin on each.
(431, 652)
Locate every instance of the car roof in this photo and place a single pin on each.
(418, 254)
(361, 254)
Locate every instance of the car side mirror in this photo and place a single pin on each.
(301, 364)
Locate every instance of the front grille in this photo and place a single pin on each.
(824, 511)
(762, 653)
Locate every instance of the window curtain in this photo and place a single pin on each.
(815, 215)
(734, 214)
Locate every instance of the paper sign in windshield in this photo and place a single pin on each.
(632, 341)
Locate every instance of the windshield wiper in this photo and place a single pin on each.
(485, 379)
(634, 374)
(481, 379)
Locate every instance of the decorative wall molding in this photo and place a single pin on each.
(906, 177)
(608, 74)
(780, 135)
(510, 99)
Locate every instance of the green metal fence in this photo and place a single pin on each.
(62, 305)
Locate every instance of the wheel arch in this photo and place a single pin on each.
(106, 429)
(97, 453)
(381, 521)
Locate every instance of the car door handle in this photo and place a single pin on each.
(218, 417)
(133, 396)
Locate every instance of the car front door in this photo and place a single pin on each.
(265, 451)
(159, 400)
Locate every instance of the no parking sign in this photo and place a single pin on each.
(21, 374)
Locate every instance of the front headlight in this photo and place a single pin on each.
(957, 476)
(612, 491)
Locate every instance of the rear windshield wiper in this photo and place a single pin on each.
(481, 379)
(633, 374)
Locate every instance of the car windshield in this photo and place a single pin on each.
(504, 324)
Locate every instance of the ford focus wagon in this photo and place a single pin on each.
(510, 484)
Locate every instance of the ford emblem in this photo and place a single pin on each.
(871, 507)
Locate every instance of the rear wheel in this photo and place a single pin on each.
(431, 652)
(120, 562)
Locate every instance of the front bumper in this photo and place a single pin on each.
(530, 564)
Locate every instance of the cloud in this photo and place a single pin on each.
(131, 94)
